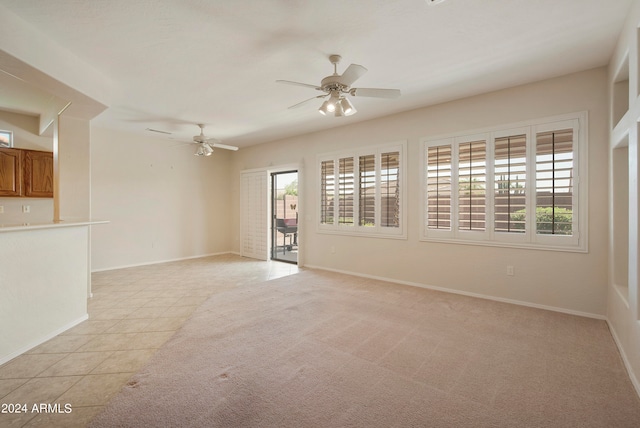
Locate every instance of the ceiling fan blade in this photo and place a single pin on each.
(375, 92)
(159, 131)
(306, 101)
(223, 146)
(306, 85)
(351, 74)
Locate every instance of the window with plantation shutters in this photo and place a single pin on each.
(517, 186)
(345, 191)
(472, 185)
(510, 178)
(389, 189)
(327, 192)
(554, 182)
(439, 187)
(369, 188)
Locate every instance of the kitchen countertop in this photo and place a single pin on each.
(49, 225)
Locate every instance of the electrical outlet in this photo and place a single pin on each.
(510, 271)
(333, 249)
(26, 208)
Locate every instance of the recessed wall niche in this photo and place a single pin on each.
(638, 59)
(620, 102)
(620, 214)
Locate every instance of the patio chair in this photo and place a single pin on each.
(288, 227)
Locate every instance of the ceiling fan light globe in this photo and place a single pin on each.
(347, 107)
(324, 108)
(207, 150)
(333, 102)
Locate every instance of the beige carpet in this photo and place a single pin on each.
(319, 349)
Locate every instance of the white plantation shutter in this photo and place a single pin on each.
(327, 192)
(254, 227)
(554, 182)
(367, 190)
(439, 160)
(390, 189)
(510, 176)
(472, 185)
(559, 159)
(345, 191)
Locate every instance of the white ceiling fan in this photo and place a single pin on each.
(207, 144)
(338, 86)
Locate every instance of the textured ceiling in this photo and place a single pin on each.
(173, 63)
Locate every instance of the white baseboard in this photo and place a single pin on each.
(41, 340)
(466, 293)
(161, 261)
(625, 360)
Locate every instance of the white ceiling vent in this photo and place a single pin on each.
(434, 1)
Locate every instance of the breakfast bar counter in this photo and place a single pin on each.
(45, 280)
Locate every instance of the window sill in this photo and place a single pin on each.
(519, 245)
(344, 232)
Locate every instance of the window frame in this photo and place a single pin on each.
(577, 242)
(355, 228)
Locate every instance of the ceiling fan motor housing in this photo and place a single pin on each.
(332, 83)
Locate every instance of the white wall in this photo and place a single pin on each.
(162, 202)
(569, 281)
(25, 130)
(623, 311)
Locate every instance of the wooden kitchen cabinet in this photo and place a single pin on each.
(37, 174)
(26, 173)
(10, 172)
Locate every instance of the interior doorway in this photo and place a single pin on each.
(284, 215)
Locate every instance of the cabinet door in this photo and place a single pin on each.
(10, 172)
(38, 174)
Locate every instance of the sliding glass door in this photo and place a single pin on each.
(284, 215)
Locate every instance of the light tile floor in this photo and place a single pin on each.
(132, 313)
